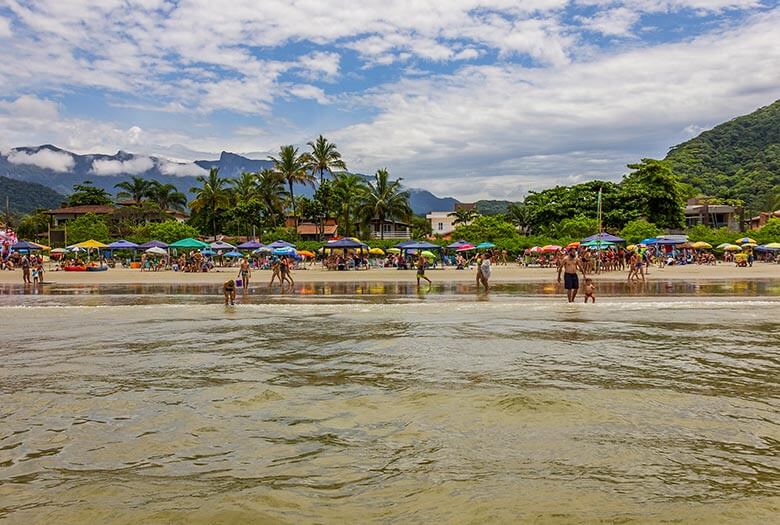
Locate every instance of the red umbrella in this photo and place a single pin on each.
(465, 248)
(551, 248)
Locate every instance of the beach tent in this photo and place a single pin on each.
(222, 245)
(485, 245)
(603, 236)
(152, 244)
(280, 244)
(122, 244)
(156, 250)
(250, 245)
(90, 244)
(189, 242)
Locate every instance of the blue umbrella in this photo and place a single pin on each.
(603, 236)
(153, 244)
(208, 252)
(250, 245)
(285, 250)
(122, 244)
(403, 244)
(234, 254)
(25, 246)
(485, 245)
(421, 245)
(281, 244)
(345, 243)
(649, 240)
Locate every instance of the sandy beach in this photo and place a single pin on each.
(501, 274)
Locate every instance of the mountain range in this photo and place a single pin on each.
(60, 169)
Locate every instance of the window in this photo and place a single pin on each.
(441, 226)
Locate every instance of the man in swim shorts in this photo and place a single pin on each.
(570, 266)
(229, 289)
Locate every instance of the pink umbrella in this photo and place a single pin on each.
(465, 248)
(536, 249)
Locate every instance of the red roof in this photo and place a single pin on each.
(81, 210)
(309, 228)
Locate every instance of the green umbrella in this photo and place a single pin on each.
(189, 242)
(428, 254)
(597, 244)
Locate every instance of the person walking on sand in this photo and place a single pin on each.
(245, 272)
(421, 262)
(570, 265)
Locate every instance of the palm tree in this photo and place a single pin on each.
(211, 197)
(167, 196)
(384, 200)
(244, 187)
(349, 189)
(325, 156)
(463, 215)
(294, 169)
(136, 189)
(270, 190)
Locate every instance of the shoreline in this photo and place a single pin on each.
(500, 274)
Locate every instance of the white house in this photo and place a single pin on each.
(441, 222)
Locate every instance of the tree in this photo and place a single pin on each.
(639, 229)
(385, 200)
(294, 168)
(244, 187)
(421, 227)
(576, 227)
(521, 216)
(167, 196)
(88, 226)
(33, 223)
(463, 215)
(271, 192)
(486, 228)
(136, 189)
(167, 231)
(770, 232)
(85, 194)
(655, 193)
(325, 156)
(211, 198)
(348, 190)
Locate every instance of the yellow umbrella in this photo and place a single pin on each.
(42, 246)
(744, 240)
(774, 245)
(393, 250)
(631, 247)
(376, 251)
(306, 253)
(701, 245)
(749, 245)
(732, 248)
(92, 243)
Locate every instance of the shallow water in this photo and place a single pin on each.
(371, 402)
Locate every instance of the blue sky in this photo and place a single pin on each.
(469, 98)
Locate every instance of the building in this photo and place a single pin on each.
(441, 222)
(390, 229)
(60, 216)
(310, 231)
(699, 211)
(754, 223)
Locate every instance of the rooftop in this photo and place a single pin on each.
(99, 209)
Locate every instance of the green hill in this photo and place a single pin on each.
(25, 197)
(739, 159)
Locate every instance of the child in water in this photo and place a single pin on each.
(590, 289)
(229, 289)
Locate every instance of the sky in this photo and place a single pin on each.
(466, 98)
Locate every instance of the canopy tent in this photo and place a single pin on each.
(280, 244)
(250, 245)
(92, 243)
(156, 250)
(485, 245)
(25, 246)
(122, 244)
(152, 244)
(189, 242)
(603, 236)
(421, 245)
(458, 244)
(222, 245)
(404, 244)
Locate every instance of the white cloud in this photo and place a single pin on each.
(132, 166)
(5, 28)
(44, 158)
(180, 169)
(309, 92)
(613, 22)
(320, 65)
(28, 106)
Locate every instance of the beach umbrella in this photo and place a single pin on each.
(745, 240)
(376, 251)
(306, 253)
(604, 236)
(122, 244)
(234, 254)
(152, 244)
(536, 249)
(20, 246)
(222, 245)
(631, 247)
(749, 245)
(92, 243)
(250, 245)
(190, 243)
(345, 243)
(393, 250)
(284, 250)
(701, 245)
(281, 244)
(262, 249)
(722, 245)
(208, 252)
(156, 250)
(427, 254)
(773, 246)
(59, 250)
(571, 245)
(485, 245)
(732, 248)
(649, 240)
(551, 248)
(458, 244)
(466, 247)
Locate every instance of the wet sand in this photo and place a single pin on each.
(501, 274)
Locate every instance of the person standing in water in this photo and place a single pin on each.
(570, 266)
(483, 271)
(245, 273)
(276, 271)
(229, 290)
(421, 262)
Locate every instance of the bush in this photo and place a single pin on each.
(770, 232)
(167, 232)
(88, 226)
(639, 229)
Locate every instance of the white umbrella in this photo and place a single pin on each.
(156, 251)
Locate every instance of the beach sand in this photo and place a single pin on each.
(500, 274)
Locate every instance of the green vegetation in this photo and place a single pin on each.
(26, 197)
(88, 226)
(167, 232)
(737, 160)
(639, 229)
(86, 194)
(492, 207)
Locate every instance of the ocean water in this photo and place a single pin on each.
(375, 403)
